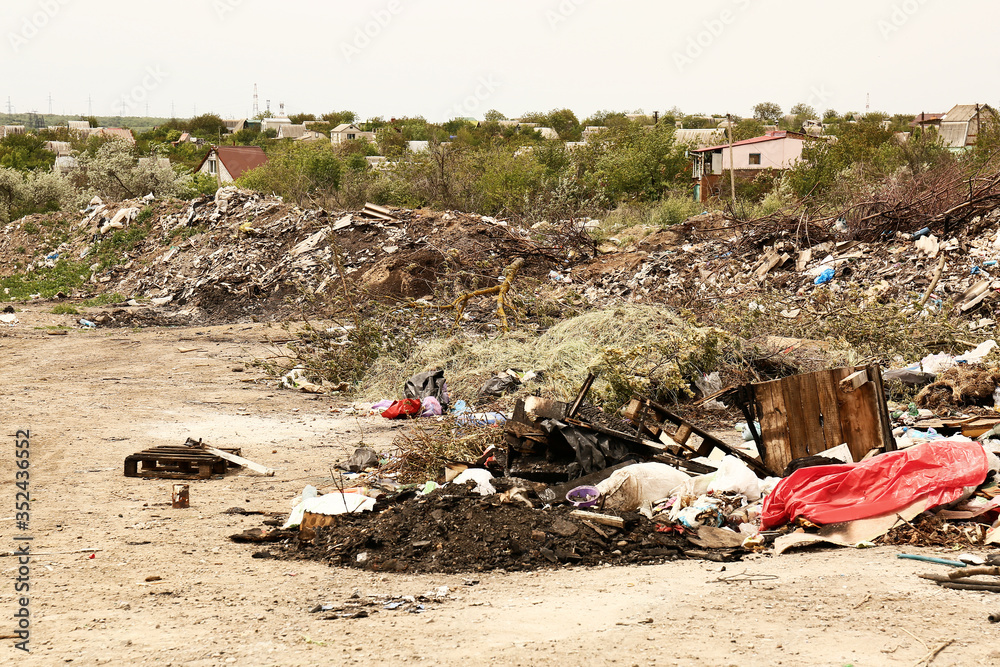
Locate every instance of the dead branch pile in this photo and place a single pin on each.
(963, 385)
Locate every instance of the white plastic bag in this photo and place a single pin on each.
(629, 487)
(734, 476)
(481, 477)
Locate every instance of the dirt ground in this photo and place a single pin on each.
(92, 397)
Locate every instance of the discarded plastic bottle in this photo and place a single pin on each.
(87, 324)
(923, 232)
(824, 277)
(912, 410)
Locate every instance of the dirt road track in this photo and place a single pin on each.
(90, 398)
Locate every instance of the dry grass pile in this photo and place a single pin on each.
(632, 341)
(424, 450)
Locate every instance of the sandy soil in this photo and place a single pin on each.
(90, 398)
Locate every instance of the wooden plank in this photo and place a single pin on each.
(683, 433)
(603, 519)
(857, 416)
(239, 460)
(633, 410)
(772, 426)
(885, 422)
(812, 415)
(853, 381)
(798, 436)
(833, 432)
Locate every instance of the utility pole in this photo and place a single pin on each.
(732, 162)
(256, 102)
(50, 104)
(90, 105)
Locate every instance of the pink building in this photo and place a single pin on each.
(778, 150)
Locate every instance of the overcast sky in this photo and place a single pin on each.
(447, 58)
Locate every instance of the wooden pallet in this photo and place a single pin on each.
(176, 463)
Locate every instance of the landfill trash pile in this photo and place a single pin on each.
(455, 529)
(241, 254)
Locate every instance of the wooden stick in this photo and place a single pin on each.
(614, 521)
(239, 460)
(975, 572)
(49, 553)
(934, 282)
(929, 658)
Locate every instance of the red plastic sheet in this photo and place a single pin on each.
(936, 470)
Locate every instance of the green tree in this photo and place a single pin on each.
(298, 171)
(861, 152)
(25, 152)
(207, 126)
(768, 113)
(300, 118)
(493, 116)
(803, 111)
(565, 123)
(748, 128)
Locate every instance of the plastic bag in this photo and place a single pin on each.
(481, 477)
(733, 476)
(937, 471)
(631, 486)
(408, 407)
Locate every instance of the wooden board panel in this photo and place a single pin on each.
(812, 413)
(833, 433)
(858, 416)
(798, 436)
(777, 450)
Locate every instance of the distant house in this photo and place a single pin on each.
(10, 130)
(116, 133)
(64, 164)
(79, 125)
(925, 120)
(289, 131)
(59, 147)
(959, 127)
(235, 124)
(547, 133)
(349, 132)
(775, 150)
(699, 138)
(274, 123)
(227, 163)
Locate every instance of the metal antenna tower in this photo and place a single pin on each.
(256, 102)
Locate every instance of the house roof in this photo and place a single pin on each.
(770, 136)
(962, 113)
(117, 132)
(923, 118)
(237, 159)
(698, 137)
(291, 131)
(343, 127)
